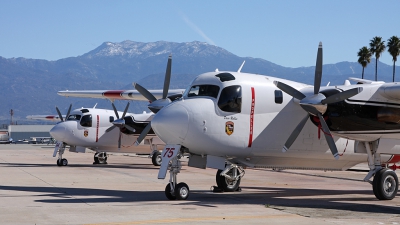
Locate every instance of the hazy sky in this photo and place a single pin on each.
(283, 32)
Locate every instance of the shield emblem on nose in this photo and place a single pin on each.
(85, 133)
(229, 127)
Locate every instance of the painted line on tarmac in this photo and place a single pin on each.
(182, 220)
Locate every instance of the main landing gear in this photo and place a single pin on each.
(228, 180)
(385, 183)
(100, 158)
(60, 148)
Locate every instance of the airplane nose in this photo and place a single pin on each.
(171, 124)
(58, 132)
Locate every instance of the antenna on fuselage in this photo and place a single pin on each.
(94, 106)
(241, 66)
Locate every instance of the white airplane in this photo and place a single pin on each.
(93, 128)
(232, 120)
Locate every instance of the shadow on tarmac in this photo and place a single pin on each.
(273, 197)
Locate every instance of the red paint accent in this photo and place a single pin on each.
(253, 103)
(114, 94)
(394, 159)
(97, 128)
(394, 167)
(50, 117)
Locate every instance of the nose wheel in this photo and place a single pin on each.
(62, 162)
(156, 158)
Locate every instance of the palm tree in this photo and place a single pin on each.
(364, 57)
(377, 46)
(394, 50)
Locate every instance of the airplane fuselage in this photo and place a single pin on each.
(88, 128)
(246, 118)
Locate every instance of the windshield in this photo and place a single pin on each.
(86, 121)
(204, 90)
(231, 99)
(74, 117)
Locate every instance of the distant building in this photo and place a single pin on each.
(20, 132)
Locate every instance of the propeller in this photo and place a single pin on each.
(120, 123)
(155, 104)
(315, 104)
(60, 115)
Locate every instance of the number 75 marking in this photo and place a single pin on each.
(169, 151)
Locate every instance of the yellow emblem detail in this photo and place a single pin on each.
(229, 127)
(85, 133)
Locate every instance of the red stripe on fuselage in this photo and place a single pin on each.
(394, 159)
(97, 128)
(253, 103)
(113, 94)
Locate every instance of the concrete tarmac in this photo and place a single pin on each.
(34, 190)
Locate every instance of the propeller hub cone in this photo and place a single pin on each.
(171, 124)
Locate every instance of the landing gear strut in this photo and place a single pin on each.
(385, 183)
(100, 158)
(175, 190)
(60, 148)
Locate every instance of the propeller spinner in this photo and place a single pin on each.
(315, 105)
(120, 123)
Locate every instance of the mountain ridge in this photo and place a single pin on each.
(30, 85)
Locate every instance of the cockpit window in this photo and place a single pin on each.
(74, 117)
(230, 99)
(86, 121)
(204, 90)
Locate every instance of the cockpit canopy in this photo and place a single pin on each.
(230, 99)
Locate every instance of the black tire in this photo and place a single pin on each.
(102, 158)
(226, 184)
(58, 162)
(170, 196)
(64, 162)
(181, 191)
(156, 159)
(385, 184)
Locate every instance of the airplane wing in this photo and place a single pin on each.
(117, 94)
(44, 117)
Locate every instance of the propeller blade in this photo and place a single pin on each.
(119, 141)
(295, 134)
(115, 110)
(318, 70)
(328, 136)
(126, 109)
(143, 134)
(59, 114)
(110, 128)
(130, 128)
(289, 90)
(167, 77)
(144, 92)
(69, 110)
(342, 96)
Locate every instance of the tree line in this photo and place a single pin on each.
(377, 47)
